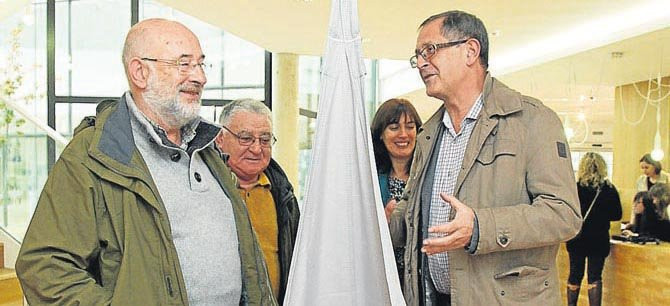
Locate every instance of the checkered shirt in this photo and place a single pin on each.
(450, 158)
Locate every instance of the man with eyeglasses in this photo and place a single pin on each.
(140, 209)
(491, 192)
(246, 142)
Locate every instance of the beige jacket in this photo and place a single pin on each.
(517, 177)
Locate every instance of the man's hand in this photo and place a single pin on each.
(390, 206)
(454, 234)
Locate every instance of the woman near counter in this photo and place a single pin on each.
(600, 204)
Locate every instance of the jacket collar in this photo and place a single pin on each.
(505, 101)
(114, 156)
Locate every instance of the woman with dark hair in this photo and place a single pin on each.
(653, 214)
(600, 204)
(394, 130)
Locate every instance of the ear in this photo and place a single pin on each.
(473, 48)
(219, 141)
(138, 73)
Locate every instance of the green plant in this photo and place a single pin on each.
(10, 82)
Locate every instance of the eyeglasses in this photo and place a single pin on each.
(183, 65)
(428, 51)
(246, 139)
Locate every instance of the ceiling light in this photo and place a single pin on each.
(569, 133)
(657, 153)
(581, 116)
(638, 19)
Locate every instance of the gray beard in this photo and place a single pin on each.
(172, 113)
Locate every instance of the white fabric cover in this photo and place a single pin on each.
(343, 253)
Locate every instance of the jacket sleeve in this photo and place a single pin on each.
(54, 263)
(614, 203)
(553, 215)
(397, 227)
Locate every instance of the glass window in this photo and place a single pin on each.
(307, 127)
(238, 66)
(396, 77)
(309, 74)
(23, 162)
(89, 47)
(69, 115)
(608, 156)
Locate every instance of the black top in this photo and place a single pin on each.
(594, 236)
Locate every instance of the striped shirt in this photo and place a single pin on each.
(449, 162)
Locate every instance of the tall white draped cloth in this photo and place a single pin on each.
(343, 253)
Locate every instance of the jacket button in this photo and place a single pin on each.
(197, 177)
(502, 292)
(427, 137)
(503, 240)
(546, 283)
(175, 157)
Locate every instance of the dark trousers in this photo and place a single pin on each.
(442, 299)
(594, 269)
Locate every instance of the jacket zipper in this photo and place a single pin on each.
(169, 286)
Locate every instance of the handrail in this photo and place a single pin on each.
(10, 235)
(47, 129)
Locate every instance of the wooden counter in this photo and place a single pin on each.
(634, 275)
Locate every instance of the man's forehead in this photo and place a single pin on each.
(429, 34)
(251, 121)
(179, 42)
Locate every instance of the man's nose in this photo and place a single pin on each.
(197, 74)
(255, 147)
(421, 62)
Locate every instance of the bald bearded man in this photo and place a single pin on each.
(140, 209)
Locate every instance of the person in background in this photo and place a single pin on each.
(660, 195)
(600, 204)
(650, 211)
(641, 200)
(246, 141)
(394, 130)
(652, 173)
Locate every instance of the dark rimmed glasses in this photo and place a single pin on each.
(429, 50)
(246, 139)
(184, 66)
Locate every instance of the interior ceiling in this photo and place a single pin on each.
(389, 29)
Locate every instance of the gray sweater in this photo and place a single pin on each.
(199, 212)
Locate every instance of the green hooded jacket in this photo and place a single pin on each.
(100, 234)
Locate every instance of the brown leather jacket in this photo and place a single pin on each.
(517, 177)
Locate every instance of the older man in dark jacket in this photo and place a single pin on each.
(246, 140)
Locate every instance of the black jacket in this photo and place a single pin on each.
(594, 237)
(650, 224)
(288, 216)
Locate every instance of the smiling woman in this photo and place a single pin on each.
(394, 130)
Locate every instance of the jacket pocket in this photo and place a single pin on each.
(500, 147)
(523, 284)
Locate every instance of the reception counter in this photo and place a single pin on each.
(634, 274)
